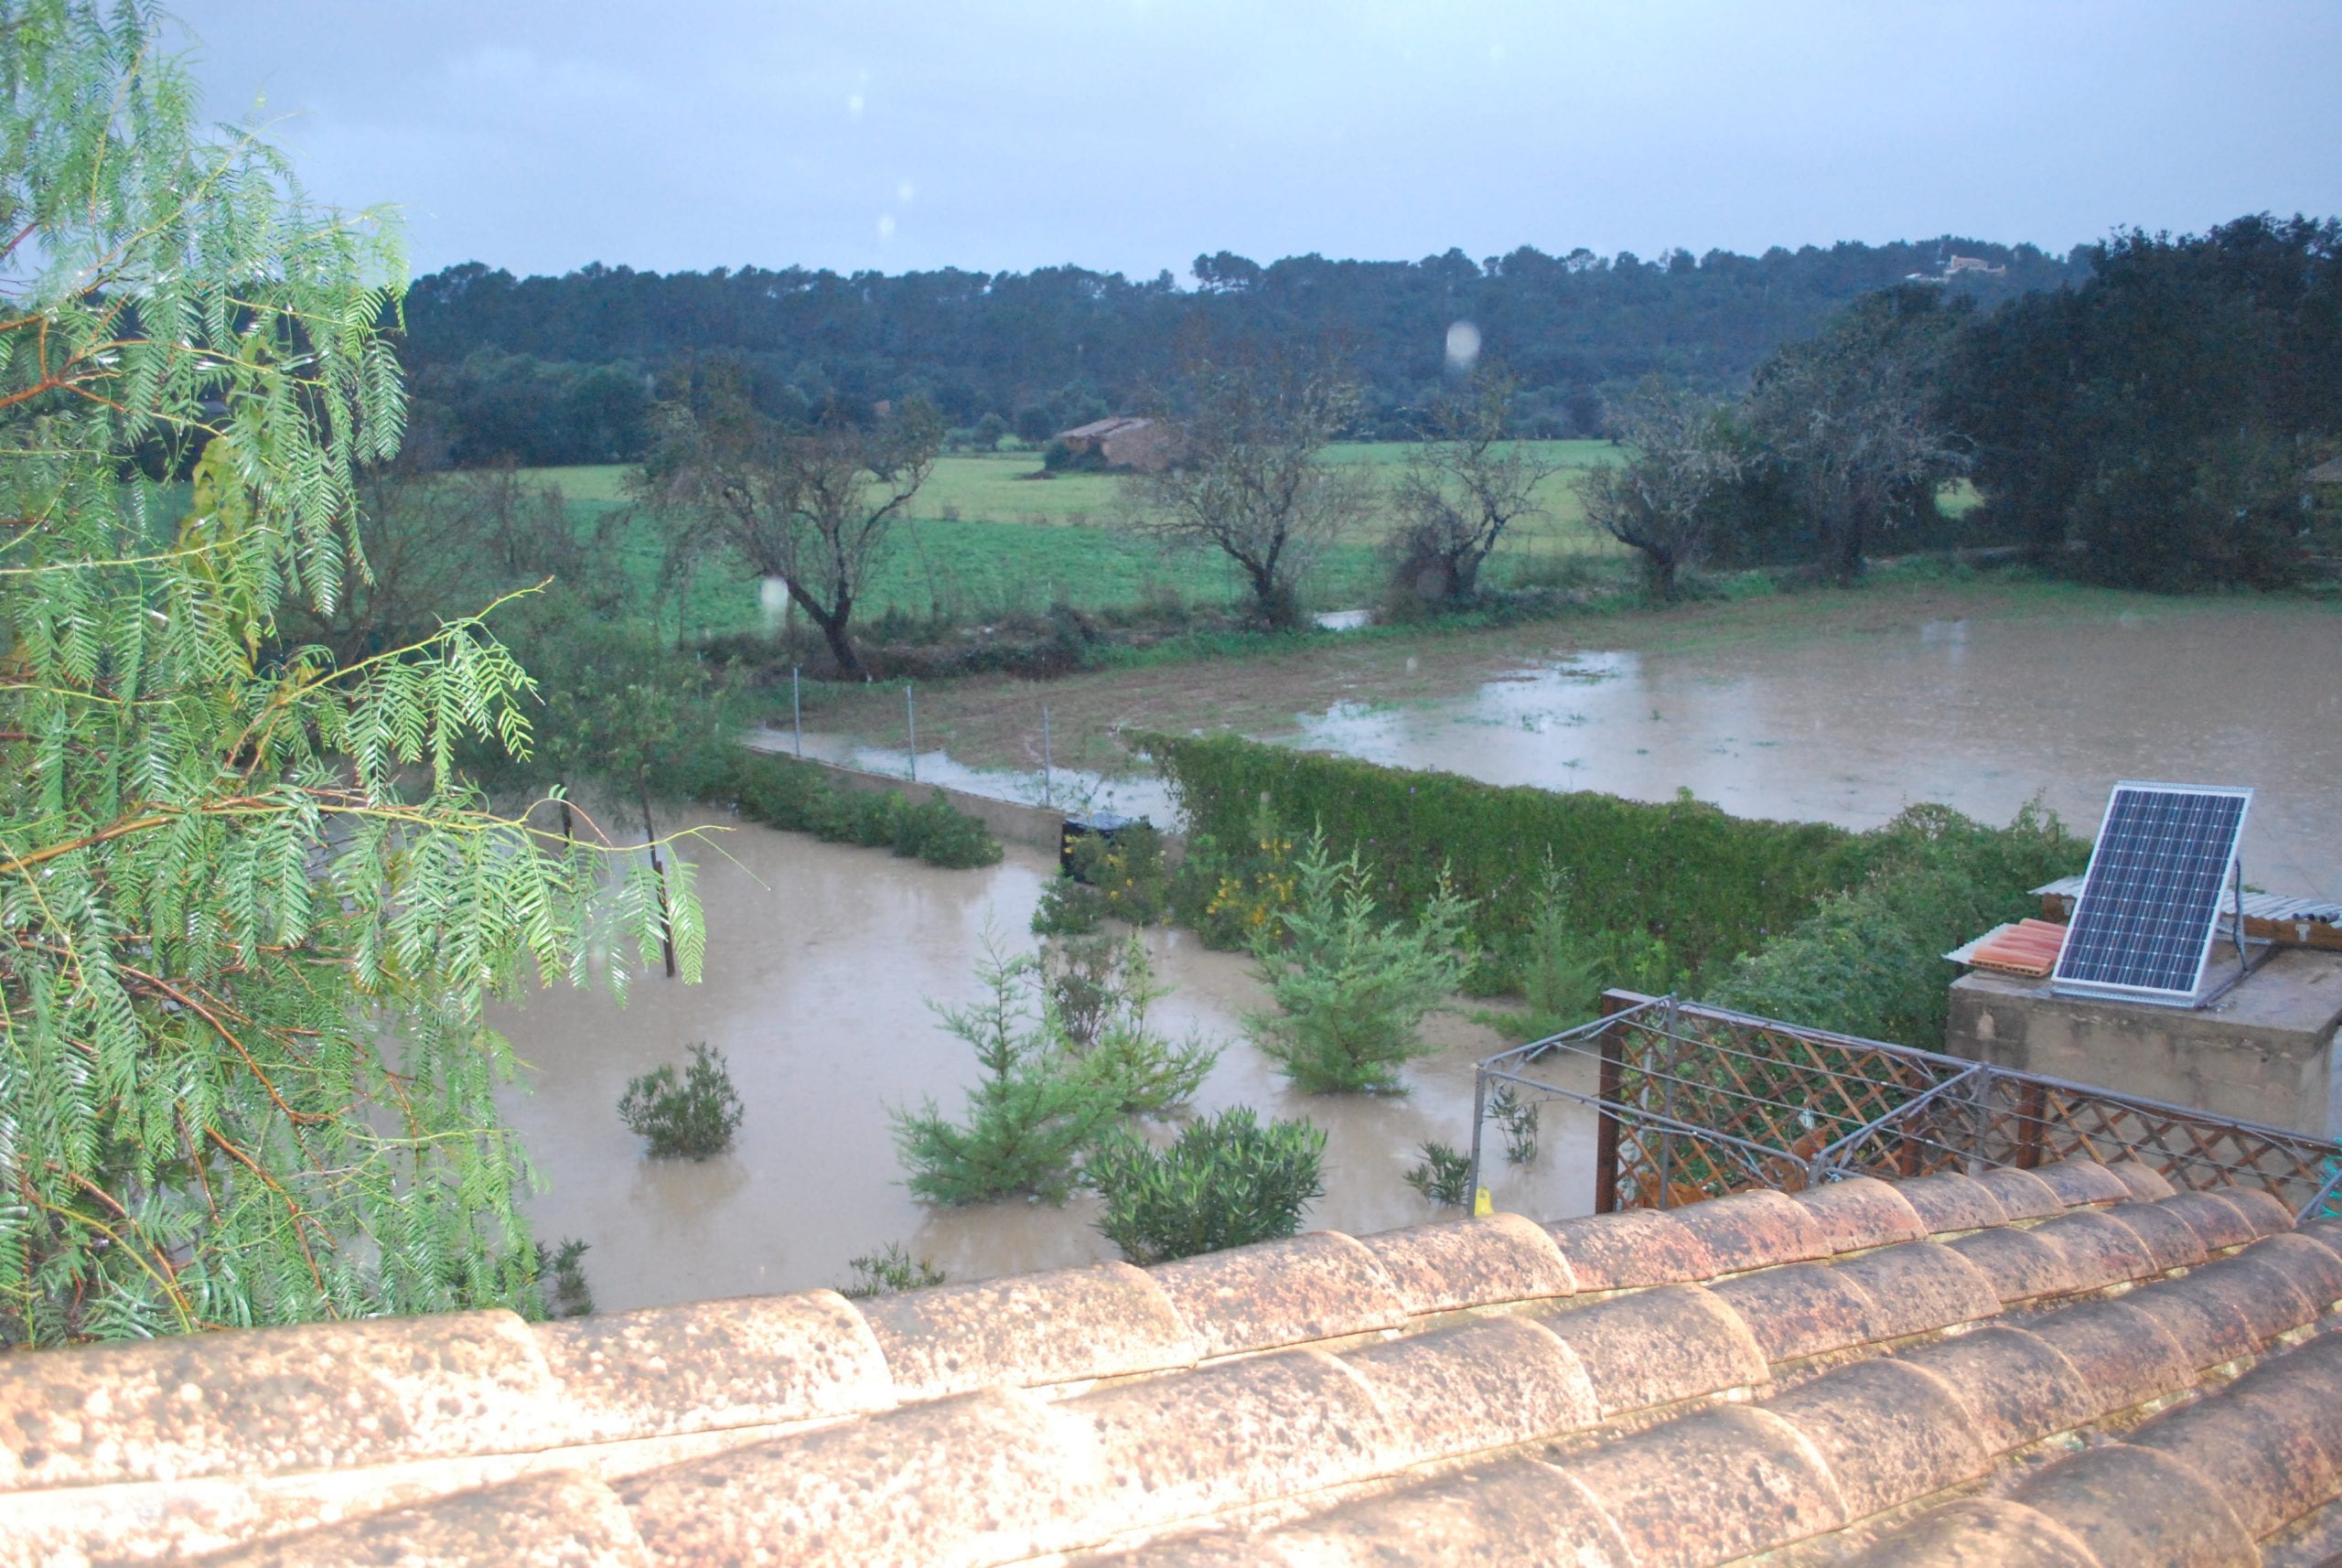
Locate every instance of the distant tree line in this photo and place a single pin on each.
(543, 370)
(2151, 424)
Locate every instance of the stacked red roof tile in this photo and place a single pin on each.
(2028, 948)
(2072, 1366)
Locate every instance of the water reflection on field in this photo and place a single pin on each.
(1981, 716)
(819, 960)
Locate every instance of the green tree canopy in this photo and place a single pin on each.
(252, 909)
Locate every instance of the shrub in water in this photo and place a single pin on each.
(562, 1289)
(1226, 1181)
(784, 792)
(1028, 1121)
(1351, 988)
(1518, 1118)
(692, 1117)
(889, 1272)
(1067, 909)
(1095, 996)
(1443, 1174)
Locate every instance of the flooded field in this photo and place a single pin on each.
(819, 960)
(1870, 705)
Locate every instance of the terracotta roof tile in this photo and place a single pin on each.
(1755, 1231)
(1028, 1330)
(2146, 1182)
(2077, 1182)
(748, 1361)
(1350, 1402)
(1198, 1442)
(1489, 1384)
(1631, 1250)
(2021, 1193)
(2017, 1387)
(2315, 1272)
(1923, 1286)
(563, 1519)
(2023, 1264)
(2265, 1445)
(2102, 1249)
(2136, 1506)
(2171, 1240)
(1806, 1309)
(1714, 1486)
(987, 1477)
(1498, 1257)
(2262, 1206)
(1518, 1511)
(1660, 1345)
(2126, 1357)
(2203, 1318)
(2327, 1233)
(1981, 1533)
(1951, 1202)
(265, 1400)
(2026, 948)
(2266, 1288)
(1860, 1211)
(1322, 1285)
(2217, 1223)
(1889, 1431)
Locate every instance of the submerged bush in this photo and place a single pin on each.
(1096, 994)
(889, 1272)
(1443, 1176)
(1226, 1181)
(692, 1118)
(1027, 1122)
(1352, 988)
(1123, 877)
(562, 1288)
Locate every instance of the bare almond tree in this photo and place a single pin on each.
(812, 508)
(1247, 473)
(1659, 500)
(1467, 483)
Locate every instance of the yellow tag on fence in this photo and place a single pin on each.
(1481, 1207)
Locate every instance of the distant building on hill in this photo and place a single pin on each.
(1957, 265)
(2328, 473)
(1123, 441)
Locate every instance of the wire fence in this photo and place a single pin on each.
(1696, 1101)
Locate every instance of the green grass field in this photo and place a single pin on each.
(981, 543)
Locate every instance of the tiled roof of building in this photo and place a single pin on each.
(2074, 1367)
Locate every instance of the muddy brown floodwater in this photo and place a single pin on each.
(821, 958)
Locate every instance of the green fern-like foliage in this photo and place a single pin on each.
(250, 911)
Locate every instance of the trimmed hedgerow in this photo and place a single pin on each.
(1574, 892)
(1708, 885)
(782, 792)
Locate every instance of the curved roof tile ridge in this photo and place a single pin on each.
(1243, 1387)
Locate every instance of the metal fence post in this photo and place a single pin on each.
(1608, 1088)
(1480, 1116)
(1048, 795)
(797, 711)
(910, 716)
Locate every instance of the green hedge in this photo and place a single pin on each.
(782, 792)
(1708, 885)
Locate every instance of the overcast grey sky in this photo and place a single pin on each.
(1131, 135)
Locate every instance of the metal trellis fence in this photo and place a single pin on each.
(1695, 1101)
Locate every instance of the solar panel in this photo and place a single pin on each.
(2150, 905)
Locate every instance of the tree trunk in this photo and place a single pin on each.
(666, 911)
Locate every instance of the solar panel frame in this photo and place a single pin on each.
(2149, 906)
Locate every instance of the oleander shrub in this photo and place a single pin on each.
(1226, 1181)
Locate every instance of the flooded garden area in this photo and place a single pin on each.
(821, 959)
